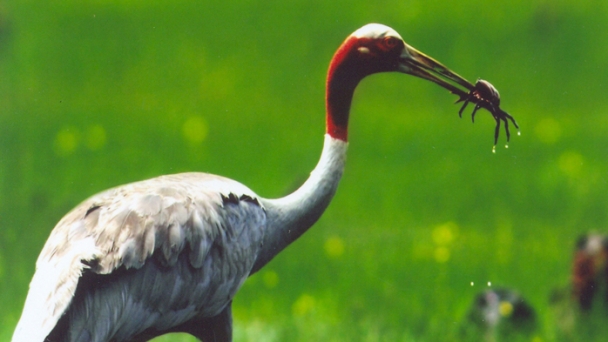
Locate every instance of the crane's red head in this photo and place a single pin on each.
(372, 49)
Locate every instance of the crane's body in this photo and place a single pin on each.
(165, 254)
(169, 254)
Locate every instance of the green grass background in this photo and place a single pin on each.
(98, 93)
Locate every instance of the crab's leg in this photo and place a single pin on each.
(477, 106)
(496, 131)
(507, 128)
(464, 105)
(512, 120)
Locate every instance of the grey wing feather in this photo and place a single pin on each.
(123, 227)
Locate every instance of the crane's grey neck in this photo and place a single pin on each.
(289, 217)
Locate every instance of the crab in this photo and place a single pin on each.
(484, 95)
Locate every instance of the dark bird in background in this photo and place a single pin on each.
(589, 273)
(580, 307)
(169, 254)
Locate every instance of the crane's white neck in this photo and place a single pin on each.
(289, 217)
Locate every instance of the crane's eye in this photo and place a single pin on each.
(390, 42)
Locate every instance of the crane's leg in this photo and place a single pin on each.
(212, 329)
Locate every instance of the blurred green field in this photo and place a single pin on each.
(100, 93)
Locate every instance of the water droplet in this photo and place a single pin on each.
(489, 283)
(518, 132)
(472, 284)
(506, 145)
(494, 149)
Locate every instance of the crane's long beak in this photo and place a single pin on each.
(483, 94)
(416, 63)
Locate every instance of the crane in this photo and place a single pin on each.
(169, 254)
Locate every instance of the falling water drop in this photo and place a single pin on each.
(494, 149)
(506, 145)
(518, 132)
